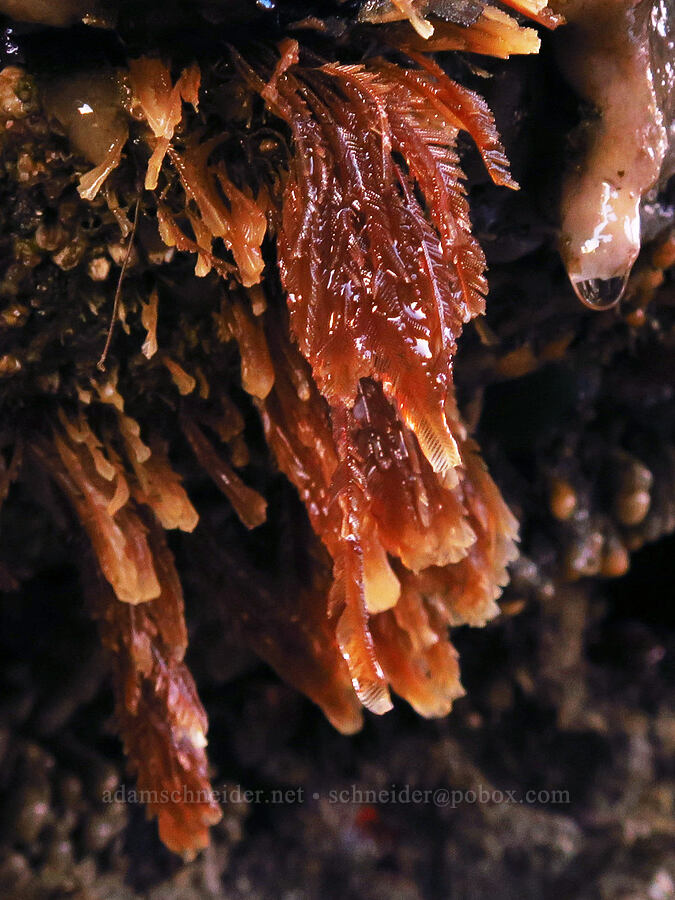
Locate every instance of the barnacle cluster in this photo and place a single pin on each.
(282, 236)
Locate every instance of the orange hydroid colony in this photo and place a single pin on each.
(361, 222)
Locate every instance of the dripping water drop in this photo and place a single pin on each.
(601, 293)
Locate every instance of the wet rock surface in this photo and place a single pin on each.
(571, 699)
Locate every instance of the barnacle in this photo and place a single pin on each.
(295, 233)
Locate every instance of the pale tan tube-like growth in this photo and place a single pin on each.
(608, 55)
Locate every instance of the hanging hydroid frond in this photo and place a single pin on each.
(161, 720)
(347, 179)
(375, 246)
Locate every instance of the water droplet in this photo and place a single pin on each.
(601, 293)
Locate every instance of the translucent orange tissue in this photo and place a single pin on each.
(381, 272)
(348, 358)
